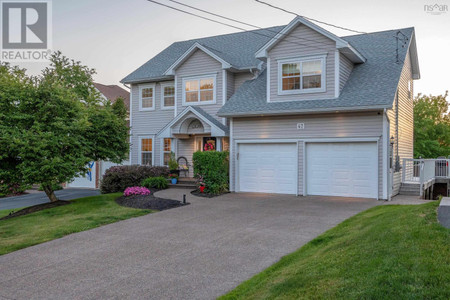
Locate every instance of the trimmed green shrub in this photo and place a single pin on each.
(211, 169)
(55, 187)
(159, 183)
(118, 178)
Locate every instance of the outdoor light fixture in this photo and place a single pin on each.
(184, 199)
(392, 140)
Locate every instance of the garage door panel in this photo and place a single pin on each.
(274, 168)
(342, 169)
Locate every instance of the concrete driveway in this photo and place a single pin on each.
(199, 251)
(40, 197)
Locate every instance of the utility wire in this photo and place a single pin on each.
(311, 19)
(243, 23)
(229, 25)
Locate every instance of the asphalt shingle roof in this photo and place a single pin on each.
(371, 84)
(238, 49)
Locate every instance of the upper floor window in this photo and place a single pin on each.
(199, 90)
(168, 95)
(301, 75)
(146, 97)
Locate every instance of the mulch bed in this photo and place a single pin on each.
(206, 195)
(148, 202)
(35, 208)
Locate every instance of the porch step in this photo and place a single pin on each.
(181, 185)
(410, 189)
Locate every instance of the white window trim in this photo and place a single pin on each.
(300, 60)
(163, 85)
(199, 77)
(144, 86)
(140, 148)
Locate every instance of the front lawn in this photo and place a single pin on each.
(387, 252)
(42, 226)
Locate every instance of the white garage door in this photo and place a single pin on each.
(267, 168)
(342, 169)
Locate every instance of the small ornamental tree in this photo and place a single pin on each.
(53, 125)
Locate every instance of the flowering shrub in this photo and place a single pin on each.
(118, 178)
(171, 176)
(136, 190)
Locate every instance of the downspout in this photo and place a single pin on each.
(386, 154)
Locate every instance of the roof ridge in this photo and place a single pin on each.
(232, 33)
(368, 33)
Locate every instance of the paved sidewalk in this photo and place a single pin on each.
(40, 197)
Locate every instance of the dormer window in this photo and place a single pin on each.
(301, 75)
(199, 90)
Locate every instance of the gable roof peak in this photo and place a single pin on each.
(351, 52)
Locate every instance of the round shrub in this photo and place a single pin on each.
(118, 178)
(159, 183)
(136, 190)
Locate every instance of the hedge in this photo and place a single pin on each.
(213, 167)
(159, 183)
(118, 178)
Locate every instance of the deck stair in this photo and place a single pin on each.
(411, 189)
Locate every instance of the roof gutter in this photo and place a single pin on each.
(303, 111)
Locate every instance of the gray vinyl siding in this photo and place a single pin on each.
(200, 63)
(345, 69)
(349, 125)
(147, 123)
(240, 78)
(302, 41)
(405, 135)
(230, 84)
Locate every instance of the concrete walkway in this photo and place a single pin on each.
(199, 251)
(40, 197)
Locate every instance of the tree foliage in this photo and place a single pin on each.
(431, 126)
(53, 125)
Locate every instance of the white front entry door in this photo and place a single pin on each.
(342, 169)
(267, 168)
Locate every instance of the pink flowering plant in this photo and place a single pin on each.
(136, 190)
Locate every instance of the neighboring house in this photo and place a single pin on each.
(98, 168)
(301, 110)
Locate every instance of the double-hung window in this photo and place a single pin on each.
(147, 97)
(301, 75)
(199, 90)
(168, 96)
(167, 151)
(146, 154)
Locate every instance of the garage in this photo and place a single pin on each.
(268, 168)
(342, 169)
(86, 181)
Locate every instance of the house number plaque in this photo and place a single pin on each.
(300, 126)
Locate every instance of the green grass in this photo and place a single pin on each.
(42, 226)
(387, 252)
(5, 212)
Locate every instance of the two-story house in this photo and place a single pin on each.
(301, 110)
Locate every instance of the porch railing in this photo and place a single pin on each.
(423, 170)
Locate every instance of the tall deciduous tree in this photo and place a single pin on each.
(431, 126)
(53, 125)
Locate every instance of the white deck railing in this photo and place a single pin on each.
(423, 170)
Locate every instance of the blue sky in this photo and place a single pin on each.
(117, 36)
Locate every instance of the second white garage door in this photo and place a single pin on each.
(342, 169)
(268, 168)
